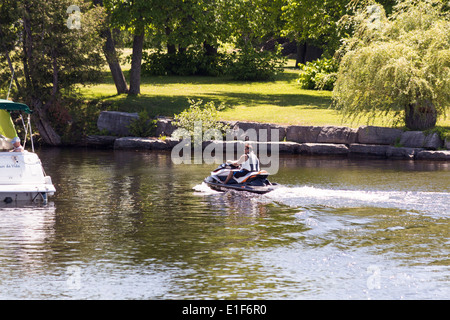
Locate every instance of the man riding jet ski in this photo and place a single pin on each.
(248, 178)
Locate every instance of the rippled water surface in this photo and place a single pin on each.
(132, 225)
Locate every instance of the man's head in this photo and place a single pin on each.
(16, 141)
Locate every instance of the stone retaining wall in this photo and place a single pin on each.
(315, 140)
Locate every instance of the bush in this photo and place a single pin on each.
(253, 65)
(143, 126)
(188, 63)
(207, 114)
(318, 75)
(249, 64)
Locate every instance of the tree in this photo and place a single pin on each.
(314, 22)
(135, 16)
(398, 65)
(50, 58)
(317, 23)
(9, 27)
(109, 49)
(182, 24)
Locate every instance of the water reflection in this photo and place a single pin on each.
(26, 232)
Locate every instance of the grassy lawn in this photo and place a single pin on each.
(281, 101)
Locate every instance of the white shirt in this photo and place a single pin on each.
(18, 149)
(249, 162)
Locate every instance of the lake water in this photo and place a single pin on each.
(132, 225)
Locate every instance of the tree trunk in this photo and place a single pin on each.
(171, 48)
(209, 49)
(301, 53)
(420, 116)
(43, 125)
(136, 60)
(109, 49)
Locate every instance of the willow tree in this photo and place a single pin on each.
(397, 67)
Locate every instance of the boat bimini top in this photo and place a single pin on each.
(7, 129)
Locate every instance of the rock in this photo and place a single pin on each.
(171, 142)
(325, 134)
(238, 146)
(333, 134)
(100, 141)
(255, 131)
(281, 146)
(324, 148)
(303, 134)
(368, 149)
(116, 122)
(443, 155)
(447, 144)
(418, 139)
(433, 141)
(378, 135)
(226, 146)
(164, 127)
(402, 153)
(281, 132)
(141, 143)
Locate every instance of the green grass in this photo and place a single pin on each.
(281, 101)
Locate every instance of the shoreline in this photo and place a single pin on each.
(365, 141)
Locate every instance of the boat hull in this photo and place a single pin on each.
(22, 178)
(239, 187)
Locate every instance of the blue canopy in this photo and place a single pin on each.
(13, 106)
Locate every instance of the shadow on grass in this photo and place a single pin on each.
(196, 80)
(164, 105)
(168, 105)
(279, 100)
(154, 105)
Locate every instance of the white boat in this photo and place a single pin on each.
(22, 176)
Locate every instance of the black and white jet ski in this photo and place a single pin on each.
(254, 181)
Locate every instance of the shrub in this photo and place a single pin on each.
(249, 64)
(318, 75)
(252, 65)
(188, 63)
(206, 113)
(143, 126)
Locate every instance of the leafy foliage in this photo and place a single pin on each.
(49, 57)
(206, 114)
(318, 75)
(143, 126)
(247, 65)
(255, 65)
(396, 63)
(191, 62)
(315, 21)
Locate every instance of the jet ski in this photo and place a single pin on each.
(254, 181)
